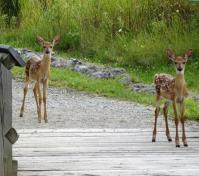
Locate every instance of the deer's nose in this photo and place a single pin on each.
(179, 69)
(47, 51)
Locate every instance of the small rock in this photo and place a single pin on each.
(102, 74)
(73, 62)
(56, 58)
(117, 71)
(84, 68)
(92, 69)
(22, 50)
(59, 63)
(143, 88)
(125, 79)
(196, 98)
(81, 68)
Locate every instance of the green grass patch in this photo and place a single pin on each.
(106, 87)
(146, 74)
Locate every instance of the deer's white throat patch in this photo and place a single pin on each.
(180, 72)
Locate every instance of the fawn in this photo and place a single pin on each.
(38, 69)
(172, 89)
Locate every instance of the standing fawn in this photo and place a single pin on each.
(38, 69)
(172, 89)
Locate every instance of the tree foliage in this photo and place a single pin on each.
(11, 9)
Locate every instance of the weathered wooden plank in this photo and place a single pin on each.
(137, 163)
(94, 130)
(172, 172)
(193, 146)
(115, 155)
(82, 144)
(148, 134)
(106, 139)
(47, 142)
(104, 152)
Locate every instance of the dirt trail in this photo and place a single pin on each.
(73, 109)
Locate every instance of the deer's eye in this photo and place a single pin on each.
(51, 46)
(175, 63)
(184, 63)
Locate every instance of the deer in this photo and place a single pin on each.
(38, 69)
(173, 90)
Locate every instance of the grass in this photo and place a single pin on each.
(144, 74)
(126, 32)
(110, 88)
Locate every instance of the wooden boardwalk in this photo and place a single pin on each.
(96, 152)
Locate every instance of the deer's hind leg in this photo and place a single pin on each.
(25, 90)
(157, 110)
(165, 112)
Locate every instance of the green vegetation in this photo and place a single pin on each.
(143, 74)
(110, 88)
(125, 32)
(129, 33)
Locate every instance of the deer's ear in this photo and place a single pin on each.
(56, 39)
(170, 54)
(40, 40)
(188, 54)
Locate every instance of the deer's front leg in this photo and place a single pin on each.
(182, 110)
(45, 87)
(40, 101)
(176, 124)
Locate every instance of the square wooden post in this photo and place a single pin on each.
(7, 134)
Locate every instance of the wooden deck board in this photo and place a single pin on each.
(109, 152)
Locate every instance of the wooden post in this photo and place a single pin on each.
(1, 139)
(7, 133)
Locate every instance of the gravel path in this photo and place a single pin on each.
(72, 109)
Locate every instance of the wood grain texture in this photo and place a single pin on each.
(1, 125)
(6, 120)
(107, 152)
